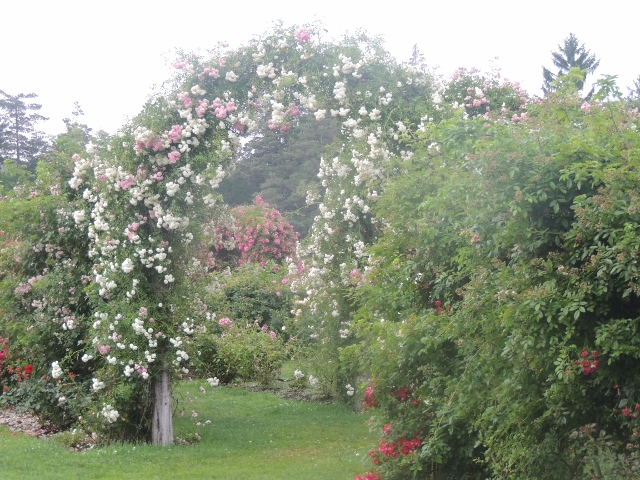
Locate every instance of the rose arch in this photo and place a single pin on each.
(147, 191)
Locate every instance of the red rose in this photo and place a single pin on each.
(28, 369)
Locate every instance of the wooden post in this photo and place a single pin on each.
(162, 427)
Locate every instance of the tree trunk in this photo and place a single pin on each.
(162, 427)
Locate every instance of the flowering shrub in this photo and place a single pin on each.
(43, 301)
(480, 93)
(493, 308)
(245, 352)
(4, 348)
(253, 292)
(259, 234)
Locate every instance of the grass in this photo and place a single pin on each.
(252, 435)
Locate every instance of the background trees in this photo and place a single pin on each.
(19, 138)
(281, 168)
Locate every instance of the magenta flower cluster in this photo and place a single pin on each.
(261, 234)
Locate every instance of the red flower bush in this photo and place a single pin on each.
(367, 476)
(387, 450)
(4, 344)
(588, 366)
(369, 397)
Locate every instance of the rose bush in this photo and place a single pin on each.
(499, 305)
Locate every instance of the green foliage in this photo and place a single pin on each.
(43, 302)
(256, 297)
(252, 293)
(13, 174)
(502, 297)
(243, 352)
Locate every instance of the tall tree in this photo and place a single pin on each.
(633, 99)
(20, 140)
(569, 55)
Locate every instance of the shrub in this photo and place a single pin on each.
(252, 293)
(247, 352)
(258, 234)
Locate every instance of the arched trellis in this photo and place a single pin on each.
(143, 189)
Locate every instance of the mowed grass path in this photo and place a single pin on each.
(252, 435)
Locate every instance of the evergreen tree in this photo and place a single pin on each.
(633, 99)
(569, 55)
(19, 139)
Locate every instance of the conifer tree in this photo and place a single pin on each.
(19, 138)
(569, 55)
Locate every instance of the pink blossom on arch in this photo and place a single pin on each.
(221, 112)
(185, 99)
(22, 289)
(126, 183)
(175, 134)
(174, 156)
(293, 110)
(303, 35)
(157, 145)
(201, 109)
(225, 322)
(212, 72)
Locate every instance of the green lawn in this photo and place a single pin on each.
(252, 435)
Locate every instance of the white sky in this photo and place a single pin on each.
(107, 55)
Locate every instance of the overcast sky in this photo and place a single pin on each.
(108, 55)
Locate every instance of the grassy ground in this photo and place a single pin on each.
(252, 435)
